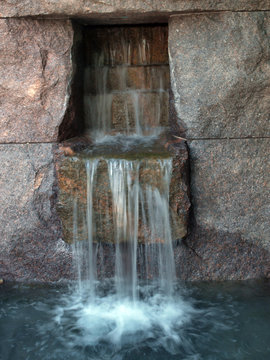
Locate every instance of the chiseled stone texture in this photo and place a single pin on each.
(35, 71)
(220, 73)
(230, 187)
(72, 182)
(31, 247)
(122, 10)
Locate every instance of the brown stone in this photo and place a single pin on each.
(128, 78)
(72, 180)
(220, 73)
(132, 45)
(35, 70)
(31, 242)
(152, 110)
(123, 11)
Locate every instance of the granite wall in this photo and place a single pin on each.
(220, 75)
(220, 79)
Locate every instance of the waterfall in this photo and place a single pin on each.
(124, 92)
(125, 202)
(140, 213)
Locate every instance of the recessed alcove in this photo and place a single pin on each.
(120, 91)
(123, 69)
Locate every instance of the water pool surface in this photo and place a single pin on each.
(229, 320)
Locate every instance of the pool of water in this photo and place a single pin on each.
(208, 321)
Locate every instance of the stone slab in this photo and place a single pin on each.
(132, 45)
(123, 11)
(31, 247)
(72, 180)
(230, 185)
(220, 73)
(229, 235)
(35, 71)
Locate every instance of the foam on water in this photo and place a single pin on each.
(155, 320)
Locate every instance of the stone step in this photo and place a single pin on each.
(133, 45)
(120, 78)
(124, 111)
(72, 181)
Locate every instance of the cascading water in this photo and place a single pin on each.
(135, 207)
(126, 204)
(124, 92)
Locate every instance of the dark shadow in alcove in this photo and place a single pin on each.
(74, 124)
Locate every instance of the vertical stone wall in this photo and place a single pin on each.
(35, 71)
(220, 79)
(220, 74)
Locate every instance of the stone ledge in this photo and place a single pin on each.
(128, 11)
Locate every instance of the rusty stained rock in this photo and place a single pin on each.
(71, 172)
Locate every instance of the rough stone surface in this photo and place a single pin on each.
(208, 254)
(220, 73)
(31, 245)
(35, 71)
(230, 185)
(72, 180)
(122, 10)
(131, 45)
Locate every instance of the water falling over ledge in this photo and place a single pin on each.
(123, 197)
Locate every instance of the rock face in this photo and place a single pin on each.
(72, 180)
(230, 185)
(220, 79)
(123, 11)
(35, 71)
(126, 79)
(230, 191)
(220, 73)
(31, 244)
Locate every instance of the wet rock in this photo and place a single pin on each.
(31, 242)
(151, 78)
(72, 180)
(220, 73)
(35, 70)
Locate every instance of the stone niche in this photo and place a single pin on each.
(124, 70)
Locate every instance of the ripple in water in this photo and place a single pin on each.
(115, 326)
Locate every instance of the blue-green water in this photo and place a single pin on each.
(208, 321)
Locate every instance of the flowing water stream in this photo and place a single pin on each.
(126, 113)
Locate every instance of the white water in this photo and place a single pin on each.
(124, 311)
